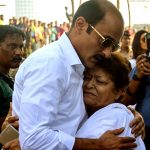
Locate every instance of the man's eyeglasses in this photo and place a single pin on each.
(107, 42)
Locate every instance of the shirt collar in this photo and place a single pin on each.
(69, 51)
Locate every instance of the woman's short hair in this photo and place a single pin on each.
(117, 67)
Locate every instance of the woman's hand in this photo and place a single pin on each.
(137, 124)
(12, 145)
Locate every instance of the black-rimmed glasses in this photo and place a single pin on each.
(107, 42)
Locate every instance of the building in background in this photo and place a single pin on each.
(25, 8)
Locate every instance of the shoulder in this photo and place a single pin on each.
(116, 112)
(110, 117)
(118, 109)
(49, 57)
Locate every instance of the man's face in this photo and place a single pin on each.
(90, 44)
(11, 51)
(126, 41)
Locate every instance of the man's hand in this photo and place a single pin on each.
(12, 145)
(111, 141)
(137, 125)
(108, 141)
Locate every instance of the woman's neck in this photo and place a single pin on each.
(91, 111)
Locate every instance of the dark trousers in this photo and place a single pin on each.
(147, 138)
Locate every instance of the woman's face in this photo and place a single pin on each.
(98, 89)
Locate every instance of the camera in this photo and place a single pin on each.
(147, 37)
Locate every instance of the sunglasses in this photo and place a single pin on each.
(107, 42)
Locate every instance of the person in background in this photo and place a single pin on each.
(139, 46)
(103, 87)
(125, 48)
(11, 45)
(138, 92)
(1, 19)
(48, 96)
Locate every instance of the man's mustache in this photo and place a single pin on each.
(17, 58)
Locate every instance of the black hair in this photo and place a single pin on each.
(136, 45)
(91, 12)
(94, 11)
(6, 30)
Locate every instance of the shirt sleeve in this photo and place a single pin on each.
(43, 85)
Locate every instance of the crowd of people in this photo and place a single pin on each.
(73, 92)
(38, 33)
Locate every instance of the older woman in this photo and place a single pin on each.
(103, 87)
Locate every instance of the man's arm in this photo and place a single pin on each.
(108, 141)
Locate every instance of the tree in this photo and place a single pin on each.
(118, 4)
(129, 13)
(70, 16)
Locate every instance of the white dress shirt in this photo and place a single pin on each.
(48, 97)
(110, 117)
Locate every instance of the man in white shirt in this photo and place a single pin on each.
(47, 96)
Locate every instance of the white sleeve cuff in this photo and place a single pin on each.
(66, 140)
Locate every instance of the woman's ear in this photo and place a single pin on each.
(81, 24)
